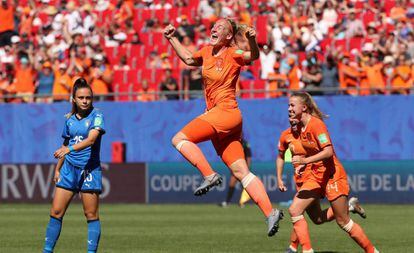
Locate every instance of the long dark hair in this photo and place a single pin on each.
(313, 108)
(79, 84)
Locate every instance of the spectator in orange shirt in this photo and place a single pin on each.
(375, 78)
(276, 81)
(62, 87)
(24, 80)
(146, 94)
(7, 22)
(398, 11)
(348, 75)
(402, 78)
(294, 75)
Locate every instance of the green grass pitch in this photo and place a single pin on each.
(195, 228)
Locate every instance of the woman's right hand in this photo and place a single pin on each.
(56, 177)
(281, 186)
(169, 31)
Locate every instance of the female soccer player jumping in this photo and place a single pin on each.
(78, 168)
(222, 121)
(326, 176)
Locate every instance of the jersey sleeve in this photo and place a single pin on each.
(65, 132)
(98, 123)
(321, 134)
(238, 56)
(199, 54)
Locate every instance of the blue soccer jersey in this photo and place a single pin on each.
(77, 130)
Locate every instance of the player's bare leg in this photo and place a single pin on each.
(340, 208)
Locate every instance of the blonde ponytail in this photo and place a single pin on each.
(310, 103)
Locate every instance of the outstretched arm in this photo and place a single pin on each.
(254, 52)
(185, 55)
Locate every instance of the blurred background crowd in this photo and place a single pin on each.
(353, 47)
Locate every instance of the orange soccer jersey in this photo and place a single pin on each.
(329, 174)
(220, 75)
(291, 141)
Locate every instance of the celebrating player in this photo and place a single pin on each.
(326, 176)
(78, 167)
(290, 140)
(222, 121)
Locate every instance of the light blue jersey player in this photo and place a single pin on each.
(78, 168)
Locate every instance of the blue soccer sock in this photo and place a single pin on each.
(94, 234)
(52, 234)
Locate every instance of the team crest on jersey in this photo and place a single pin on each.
(219, 64)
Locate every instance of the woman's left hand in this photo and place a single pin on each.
(299, 160)
(60, 153)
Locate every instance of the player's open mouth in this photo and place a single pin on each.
(214, 37)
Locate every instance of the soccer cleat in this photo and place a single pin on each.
(273, 222)
(355, 207)
(290, 250)
(224, 204)
(208, 184)
(375, 250)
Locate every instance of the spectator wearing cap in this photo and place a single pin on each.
(165, 61)
(168, 85)
(388, 70)
(372, 31)
(185, 28)
(348, 75)
(354, 26)
(100, 65)
(146, 93)
(330, 79)
(45, 81)
(276, 82)
(24, 84)
(267, 61)
(62, 86)
(402, 79)
(7, 22)
(294, 75)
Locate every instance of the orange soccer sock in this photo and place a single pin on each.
(257, 192)
(294, 240)
(300, 227)
(357, 233)
(196, 157)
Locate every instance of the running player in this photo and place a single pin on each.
(244, 196)
(326, 175)
(290, 140)
(222, 121)
(78, 167)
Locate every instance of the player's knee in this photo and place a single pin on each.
(294, 211)
(316, 220)
(56, 213)
(342, 221)
(91, 215)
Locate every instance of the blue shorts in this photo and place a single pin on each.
(78, 179)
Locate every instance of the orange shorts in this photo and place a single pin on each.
(223, 127)
(331, 189)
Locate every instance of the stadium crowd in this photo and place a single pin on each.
(354, 47)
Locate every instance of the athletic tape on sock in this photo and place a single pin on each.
(348, 226)
(180, 144)
(296, 218)
(247, 179)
